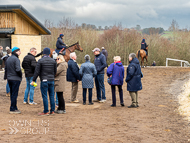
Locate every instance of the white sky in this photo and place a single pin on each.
(146, 13)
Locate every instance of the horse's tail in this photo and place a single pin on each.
(138, 54)
(39, 54)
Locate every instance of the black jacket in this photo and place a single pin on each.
(29, 64)
(13, 69)
(46, 69)
(5, 59)
(104, 51)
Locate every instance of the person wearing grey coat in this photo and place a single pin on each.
(87, 72)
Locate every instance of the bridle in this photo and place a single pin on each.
(78, 48)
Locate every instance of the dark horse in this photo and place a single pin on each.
(141, 53)
(68, 50)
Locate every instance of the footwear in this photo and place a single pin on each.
(25, 102)
(32, 103)
(122, 104)
(102, 101)
(113, 105)
(56, 106)
(137, 105)
(8, 94)
(76, 101)
(15, 112)
(90, 103)
(52, 113)
(132, 106)
(43, 114)
(61, 111)
(84, 103)
(96, 100)
(64, 111)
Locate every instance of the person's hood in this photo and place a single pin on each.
(119, 63)
(135, 60)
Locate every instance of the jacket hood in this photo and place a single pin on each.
(119, 63)
(135, 60)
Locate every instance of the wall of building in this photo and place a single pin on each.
(25, 42)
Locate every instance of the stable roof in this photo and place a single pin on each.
(19, 9)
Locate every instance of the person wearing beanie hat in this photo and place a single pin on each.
(60, 44)
(46, 69)
(14, 77)
(144, 46)
(46, 51)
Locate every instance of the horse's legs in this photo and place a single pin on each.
(142, 62)
(146, 60)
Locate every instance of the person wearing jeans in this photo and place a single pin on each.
(116, 71)
(87, 72)
(46, 69)
(29, 90)
(14, 77)
(29, 64)
(47, 86)
(100, 64)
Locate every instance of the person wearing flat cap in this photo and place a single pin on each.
(46, 69)
(60, 44)
(100, 64)
(14, 77)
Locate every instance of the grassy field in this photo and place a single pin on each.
(167, 34)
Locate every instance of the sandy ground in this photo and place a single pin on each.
(157, 120)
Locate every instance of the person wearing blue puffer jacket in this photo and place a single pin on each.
(133, 79)
(116, 70)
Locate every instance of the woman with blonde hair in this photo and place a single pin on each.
(116, 70)
(60, 82)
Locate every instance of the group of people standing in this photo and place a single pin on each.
(54, 74)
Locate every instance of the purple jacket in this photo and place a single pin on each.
(117, 72)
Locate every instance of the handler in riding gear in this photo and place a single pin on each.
(144, 46)
(60, 44)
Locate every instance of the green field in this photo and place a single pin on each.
(167, 34)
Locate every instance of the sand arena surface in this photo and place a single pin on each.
(156, 120)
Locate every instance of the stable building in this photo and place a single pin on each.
(19, 28)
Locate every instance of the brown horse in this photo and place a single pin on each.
(68, 50)
(141, 53)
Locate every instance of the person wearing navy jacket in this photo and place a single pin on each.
(73, 76)
(100, 64)
(60, 44)
(133, 79)
(116, 70)
(144, 46)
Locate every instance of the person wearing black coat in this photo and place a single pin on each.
(133, 79)
(144, 46)
(73, 76)
(46, 69)
(29, 64)
(14, 77)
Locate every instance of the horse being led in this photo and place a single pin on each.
(67, 51)
(141, 53)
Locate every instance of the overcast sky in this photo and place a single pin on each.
(146, 13)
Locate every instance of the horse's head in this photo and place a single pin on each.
(78, 47)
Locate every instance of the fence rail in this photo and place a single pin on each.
(186, 63)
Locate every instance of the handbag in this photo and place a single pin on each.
(109, 80)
